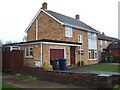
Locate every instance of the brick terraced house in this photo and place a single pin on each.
(51, 35)
(104, 41)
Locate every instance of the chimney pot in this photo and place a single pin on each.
(77, 17)
(44, 5)
(103, 33)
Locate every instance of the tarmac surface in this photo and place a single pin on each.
(79, 70)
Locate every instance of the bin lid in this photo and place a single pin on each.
(62, 59)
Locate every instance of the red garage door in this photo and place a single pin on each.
(56, 54)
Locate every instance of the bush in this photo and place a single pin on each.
(116, 87)
(47, 67)
(78, 63)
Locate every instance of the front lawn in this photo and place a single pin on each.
(9, 86)
(103, 67)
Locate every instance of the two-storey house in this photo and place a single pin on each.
(103, 42)
(51, 35)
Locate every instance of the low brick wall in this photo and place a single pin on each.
(80, 79)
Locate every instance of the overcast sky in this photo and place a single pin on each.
(15, 15)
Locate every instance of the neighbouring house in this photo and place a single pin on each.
(103, 42)
(51, 35)
(114, 49)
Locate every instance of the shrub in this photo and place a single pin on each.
(18, 75)
(116, 87)
(47, 67)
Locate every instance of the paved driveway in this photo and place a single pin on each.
(79, 70)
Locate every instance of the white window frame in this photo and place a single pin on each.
(106, 43)
(68, 31)
(80, 40)
(92, 36)
(95, 53)
(29, 56)
(101, 43)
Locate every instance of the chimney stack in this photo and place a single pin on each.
(103, 33)
(77, 17)
(44, 5)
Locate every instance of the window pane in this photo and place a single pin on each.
(95, 54)
(68, 31)
(27, 54)
(92, 54)
(31, 53)
(89, 55)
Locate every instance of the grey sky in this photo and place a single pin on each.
(15, 15)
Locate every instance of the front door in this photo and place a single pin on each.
(72, 56)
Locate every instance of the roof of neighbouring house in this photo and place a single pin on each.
(65, 20)
(104, 37)
(114, 46)
(45, 40)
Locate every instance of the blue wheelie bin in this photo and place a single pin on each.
(62, 64)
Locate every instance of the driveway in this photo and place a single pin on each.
(79, 70)
(29, 83)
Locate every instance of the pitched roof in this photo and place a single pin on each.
(113, 46)
(65, 20)
(71, 21)
(104, 37)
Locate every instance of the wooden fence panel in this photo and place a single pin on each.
(12, 59)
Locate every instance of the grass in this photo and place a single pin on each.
(27, 76)
(103, 67)
(9, 86)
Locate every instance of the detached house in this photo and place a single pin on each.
(51, 35)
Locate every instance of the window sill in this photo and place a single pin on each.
(68, 36)
(92, 59)
(29, 57)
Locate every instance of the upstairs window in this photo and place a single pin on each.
(106, 43)
(100, 43)
(91, 36)
(29, 52)
(80, 40)
(68, 31)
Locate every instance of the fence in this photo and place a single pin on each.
(12, 59)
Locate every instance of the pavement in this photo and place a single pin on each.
(79, 70)
(29, 83)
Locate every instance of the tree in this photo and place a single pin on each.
(1, 42)
(10, 42)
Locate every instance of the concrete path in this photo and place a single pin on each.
(29, 83)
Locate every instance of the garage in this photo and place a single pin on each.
(57, 53)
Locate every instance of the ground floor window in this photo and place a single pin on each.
(92, 54)
(29, 52)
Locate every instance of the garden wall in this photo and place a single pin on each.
(84, 79)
